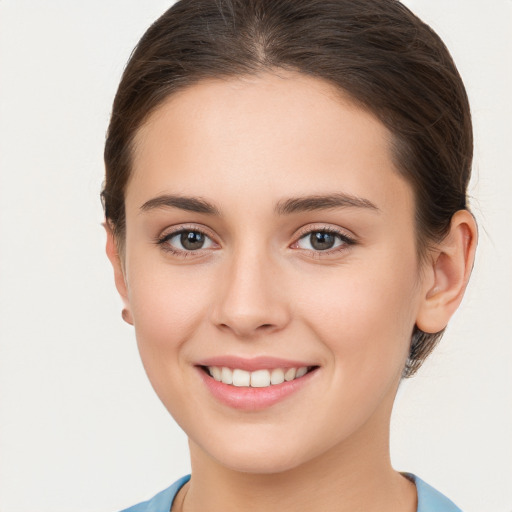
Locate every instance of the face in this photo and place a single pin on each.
(268, 234)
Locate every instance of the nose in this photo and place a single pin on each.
(251, 297)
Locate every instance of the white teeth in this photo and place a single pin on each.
(226, 375)
(277, 376)
(241, 378)
(258, 378)
(290, 374)
(216, 373)
(301, 372)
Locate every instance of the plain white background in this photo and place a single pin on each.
(80, 427)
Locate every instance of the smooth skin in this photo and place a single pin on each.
(258, 286)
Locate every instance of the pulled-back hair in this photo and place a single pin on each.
(376, 51)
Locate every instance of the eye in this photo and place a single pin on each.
(323, 240)
(186, 240)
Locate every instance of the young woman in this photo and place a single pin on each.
(286, 214)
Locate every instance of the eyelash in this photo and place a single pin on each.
(346, 240)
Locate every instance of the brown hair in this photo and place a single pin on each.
(377, 51)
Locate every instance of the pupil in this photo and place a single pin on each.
(192, 240)
(321, 240)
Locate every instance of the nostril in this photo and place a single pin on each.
(266, 327)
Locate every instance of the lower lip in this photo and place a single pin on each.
(253, 399)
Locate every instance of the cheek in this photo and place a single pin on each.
(364, 320)
(365, 313)
(168, 304)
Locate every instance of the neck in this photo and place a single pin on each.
(355, 475)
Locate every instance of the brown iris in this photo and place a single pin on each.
(321, 240)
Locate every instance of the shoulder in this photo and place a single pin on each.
(431, 500)
(162, 502)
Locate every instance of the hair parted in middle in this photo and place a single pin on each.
(375, 52)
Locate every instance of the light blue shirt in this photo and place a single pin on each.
(429, 500)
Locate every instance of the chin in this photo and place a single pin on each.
(257, 454)
(259, 463)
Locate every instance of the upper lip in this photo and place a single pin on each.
(252, 364)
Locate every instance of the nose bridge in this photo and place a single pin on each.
(249, 299)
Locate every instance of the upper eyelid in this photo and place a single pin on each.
(170, 232)
(308, 228)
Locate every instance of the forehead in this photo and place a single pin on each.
(280, 133)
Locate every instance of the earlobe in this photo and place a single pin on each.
(119, 275)
(449, 272)
(127, 316)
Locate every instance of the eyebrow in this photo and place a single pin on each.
(190, 204)
(283, 207)
(322, 202)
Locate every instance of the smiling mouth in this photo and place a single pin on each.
(263, 378)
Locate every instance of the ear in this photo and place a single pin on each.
(447, 274)
(119, 274)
